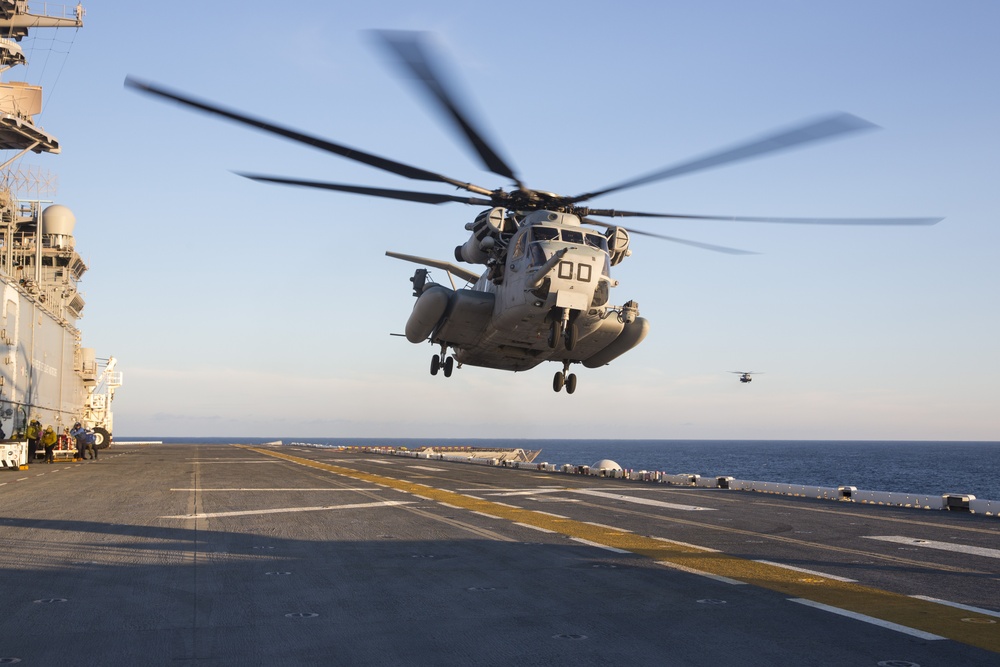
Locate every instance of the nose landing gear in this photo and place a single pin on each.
(564, 327)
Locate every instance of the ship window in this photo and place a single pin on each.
(544, 234)
(572, 236)
(597, 241)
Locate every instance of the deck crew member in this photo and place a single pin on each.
(49, 439)
(90, 441)
(78, 432)
(34, 432)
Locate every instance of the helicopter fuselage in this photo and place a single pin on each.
(544, 297)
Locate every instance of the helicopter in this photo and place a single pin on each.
(745, 375)
(544, 293)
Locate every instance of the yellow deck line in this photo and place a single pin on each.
(959, 625)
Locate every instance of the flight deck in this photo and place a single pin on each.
(190, 554)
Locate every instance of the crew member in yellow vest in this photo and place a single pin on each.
(49, 439)
(34, 432)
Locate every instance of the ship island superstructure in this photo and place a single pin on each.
(45, 372)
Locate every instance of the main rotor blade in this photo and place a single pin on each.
(345, 151)
(417, 59)
(614, 213)
(825, 128)
(674, 239)
(407, 195)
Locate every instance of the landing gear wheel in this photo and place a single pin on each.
(558, 381)
(435, 364)
(572, 335)
(571, 383)
(555, 333)
(449, 366)
(102, 439)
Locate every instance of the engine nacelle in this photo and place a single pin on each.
(618, 240)
(486, 231)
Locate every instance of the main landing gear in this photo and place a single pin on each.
(561, 380)
(447, 365)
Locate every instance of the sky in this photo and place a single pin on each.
(238, 308)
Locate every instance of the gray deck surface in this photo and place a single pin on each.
(222, 555)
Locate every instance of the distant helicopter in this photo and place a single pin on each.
(745, 375)
(545, 291)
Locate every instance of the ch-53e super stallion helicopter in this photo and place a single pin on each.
(545, 292)
(745, 375)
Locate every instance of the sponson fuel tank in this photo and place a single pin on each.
(427, 312)
(632, 334)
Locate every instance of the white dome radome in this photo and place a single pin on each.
(58, 220)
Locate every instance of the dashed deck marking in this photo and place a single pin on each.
(641, 501)
(345, 488)
(956, 605)
(538, 528)
(281, 510)
(932, 544)
(805, 571)
(599, 545)
(900, 610)
(870, 619)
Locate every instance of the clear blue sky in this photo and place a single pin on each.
(238, 308)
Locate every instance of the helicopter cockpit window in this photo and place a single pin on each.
(597, 241)
(519, 246)
(537, 255)
(572, 236)
(544, 234)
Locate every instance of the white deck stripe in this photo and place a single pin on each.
(688, 544)
(538, 528)
(249, 489)
(230, 461)
(531, 492)
(599, 546)
(606, 526)
(931, 544)
(986, 612)
(641, 501)
(868, 619)
(805, 571)
(280, 510)
(709, 575)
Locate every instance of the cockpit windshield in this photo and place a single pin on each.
(597, 241)
(544, 234)
(539, 233)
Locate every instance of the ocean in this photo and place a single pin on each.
(921, 467)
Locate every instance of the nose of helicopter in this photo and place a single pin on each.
(575, 278)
